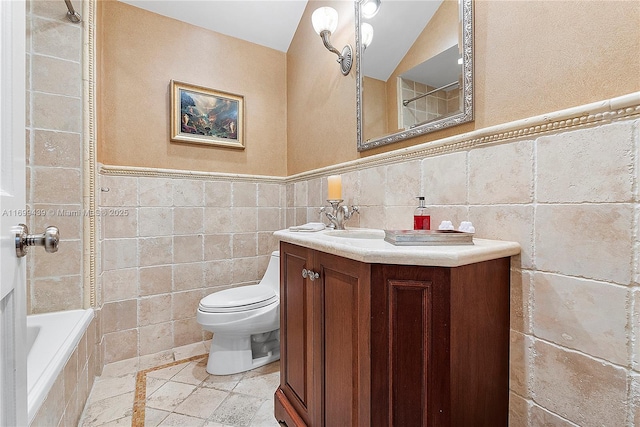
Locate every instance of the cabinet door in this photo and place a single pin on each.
(344, 303)
(296, 333)
(324, 333)
(410, 346)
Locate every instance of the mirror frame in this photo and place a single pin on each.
(438, 124)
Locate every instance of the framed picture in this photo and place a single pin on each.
(206, 116)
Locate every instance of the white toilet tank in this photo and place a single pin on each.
(271, 277)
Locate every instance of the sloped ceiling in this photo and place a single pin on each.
(273, 23)
(270, 23)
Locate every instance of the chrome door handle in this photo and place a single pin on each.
(49, 239)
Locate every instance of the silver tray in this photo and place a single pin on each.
(428, 237)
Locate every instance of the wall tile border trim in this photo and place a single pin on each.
(589, 115)
(89, 153)
(185, 174)
(620, 108)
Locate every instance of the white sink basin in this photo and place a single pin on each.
(357, 233)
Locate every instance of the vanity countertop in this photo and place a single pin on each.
(373, 249)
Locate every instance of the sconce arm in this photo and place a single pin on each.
(325, 39)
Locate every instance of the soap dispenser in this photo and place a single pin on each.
(421, 220)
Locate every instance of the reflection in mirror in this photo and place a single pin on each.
(431, 89)
(417, 75)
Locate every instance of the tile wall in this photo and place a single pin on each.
(430, 107)
(571, 200)
(168, 242)
(54, 154)
(54, 193)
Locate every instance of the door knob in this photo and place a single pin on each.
(49, 239)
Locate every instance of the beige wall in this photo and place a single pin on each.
(141, 52)
(374, 108)
(531, 57)
(554, 54)
(321, 102)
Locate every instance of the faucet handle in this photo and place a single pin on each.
(349, 213)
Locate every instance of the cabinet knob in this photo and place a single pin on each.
(312, 275)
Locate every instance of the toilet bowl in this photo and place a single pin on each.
(245, 322)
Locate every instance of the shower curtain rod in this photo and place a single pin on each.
(72, 15)
(406, 102)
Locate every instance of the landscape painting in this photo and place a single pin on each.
(206, 116)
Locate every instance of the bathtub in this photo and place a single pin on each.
(51, 339)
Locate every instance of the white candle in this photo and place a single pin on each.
(335, 187)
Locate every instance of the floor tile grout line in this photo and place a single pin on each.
(139, 404)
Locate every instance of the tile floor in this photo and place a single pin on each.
(174, 389)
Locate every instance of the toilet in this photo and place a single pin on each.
(245, 322)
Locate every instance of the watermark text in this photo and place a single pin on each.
(66, 212)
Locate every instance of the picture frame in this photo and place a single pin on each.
(200, 115)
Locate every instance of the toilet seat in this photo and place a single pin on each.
(243, 298)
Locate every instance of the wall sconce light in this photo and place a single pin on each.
(367, 34)
(325, 22)
(370, 8)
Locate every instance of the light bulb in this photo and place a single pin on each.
(370, 8)
(325, 19)
(367, 34)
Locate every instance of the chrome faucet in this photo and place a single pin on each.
(339, 214)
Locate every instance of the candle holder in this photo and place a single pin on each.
(339, 214)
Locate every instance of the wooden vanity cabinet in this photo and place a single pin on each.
(440, 345)
(392, 345)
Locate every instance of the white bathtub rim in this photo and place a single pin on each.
(39, 389)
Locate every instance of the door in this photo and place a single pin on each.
(13, 371)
